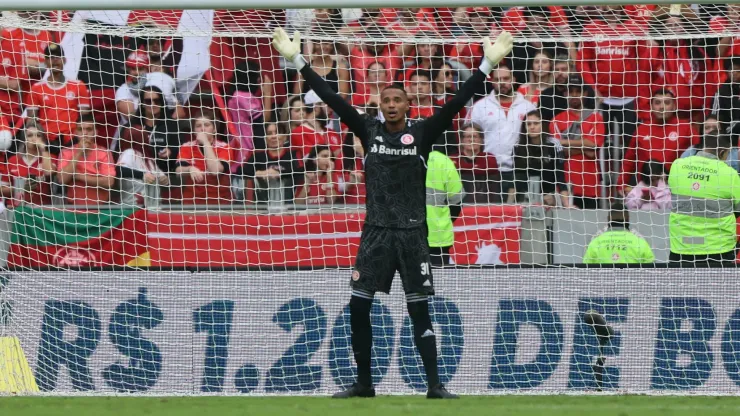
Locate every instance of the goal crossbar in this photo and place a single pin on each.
(295, 4)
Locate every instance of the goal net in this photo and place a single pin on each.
(181, 211)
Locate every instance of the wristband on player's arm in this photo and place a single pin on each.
(299, 61)
(486, 66)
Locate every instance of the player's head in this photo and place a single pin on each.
(54, 58)
(503, 81)
(394, 103)
(663, 104)
(618, 215)
(718, 144)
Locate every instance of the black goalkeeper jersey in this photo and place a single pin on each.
(395, 163)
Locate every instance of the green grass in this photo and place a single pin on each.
(382, 406)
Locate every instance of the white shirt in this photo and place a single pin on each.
(153, 79)
(131, 188)
(500, 128)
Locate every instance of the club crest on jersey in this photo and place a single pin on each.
(407, 139)
(355, 275)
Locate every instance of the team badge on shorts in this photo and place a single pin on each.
(407, 139)
(355, 275)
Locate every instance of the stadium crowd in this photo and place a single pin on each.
(564, 123)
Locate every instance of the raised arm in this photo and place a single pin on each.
(290, 49)
(493, 54)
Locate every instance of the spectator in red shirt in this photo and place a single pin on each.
(478, 169)
(728, 45)
(58, 102)
(32, 168)
(684, 66)
(663, 138)
(581, 133)
(536, 23)
(406, 22)
(374, 50)
(29, 45)
(474, 23)
(203, 164)
(419, 91)
(322, 182)
(10, 85)
(377, 79)
(617, 68)
(314, 130)
(86, 169)
(427, 54)
(539, 79)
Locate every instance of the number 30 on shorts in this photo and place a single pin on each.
(424, 269)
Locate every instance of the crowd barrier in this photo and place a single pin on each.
(499, 331)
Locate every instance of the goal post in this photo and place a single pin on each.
(181, 213)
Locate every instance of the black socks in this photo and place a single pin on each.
(425, 339)
(362, 337)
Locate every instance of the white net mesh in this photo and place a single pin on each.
(181, 210)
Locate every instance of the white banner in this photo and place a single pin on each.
(288, 332)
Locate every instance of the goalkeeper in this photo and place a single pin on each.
(394, 236)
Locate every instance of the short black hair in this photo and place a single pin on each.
(618, 214)
(421, 73)
(311, 164)
(663, 91)
(86, 118)
(394, 86)
(652, 168)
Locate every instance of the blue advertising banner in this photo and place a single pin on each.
(497, 331)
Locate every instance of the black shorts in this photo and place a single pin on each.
(385, 250)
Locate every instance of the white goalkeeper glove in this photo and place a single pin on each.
(290, 49)
(494, 53)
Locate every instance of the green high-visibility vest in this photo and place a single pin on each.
(705, 194)
(444, 188)
(618, 245)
